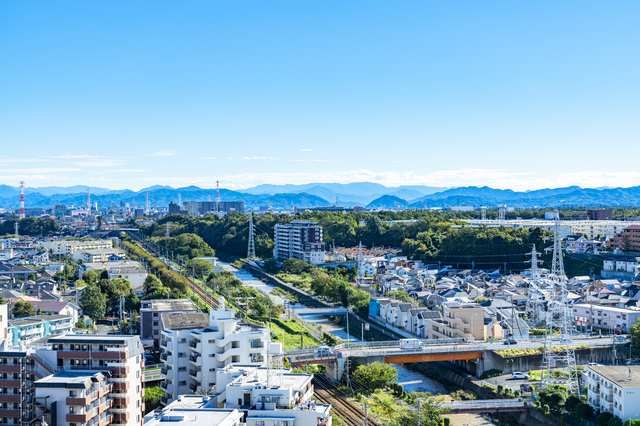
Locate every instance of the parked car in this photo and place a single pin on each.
(518, 375)
(324, 350)
(525, 387)
(511, 341)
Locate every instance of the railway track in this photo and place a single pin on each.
(326, 393)
(209, 300)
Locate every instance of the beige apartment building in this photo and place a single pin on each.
(457, 322)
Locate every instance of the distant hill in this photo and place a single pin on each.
(363, 194)
(388, 202)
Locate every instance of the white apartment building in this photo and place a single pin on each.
(194, 410)
(274, 397)
(70, 248)
(135, 275)
(224, 341)
(608, 318)
(614, 389)
(99, 255)
(299, 239)
(593, 228)
(74, 397)
(121, 355)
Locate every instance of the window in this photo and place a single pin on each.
(155, 323)
(138, 404)
(138, 359)
(182, 383)
(180, 354)
(138, 389)
(155, 332)
(155, 314)
(71, 408)
(182, 341)
(182, 369)
(138, 418)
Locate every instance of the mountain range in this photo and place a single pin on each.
(365, 194)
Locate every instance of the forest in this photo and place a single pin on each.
(431, 238)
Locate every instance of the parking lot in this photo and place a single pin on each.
(507, 382)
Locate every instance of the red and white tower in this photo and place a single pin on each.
(21, 214)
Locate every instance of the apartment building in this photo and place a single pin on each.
(101, 255)
(175, 337)
(134, 274)
(614, 389)
(608, 318)
(23, 331)
(460, 322)
(592, 228)
(599, 214)
(224, 341)
(121, 355)
(627, 240)
(194, 410)
(299, 239)
(74, 249)
(271, 398)
(68, 398)
(150, 316)
(196, 208)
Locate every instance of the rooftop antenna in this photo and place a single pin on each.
(251, 252)
(21, 214)
(217, 196)
(560, 319)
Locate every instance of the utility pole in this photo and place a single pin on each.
(365, 421)
(418, 412)
(348, 334)
(365, 326)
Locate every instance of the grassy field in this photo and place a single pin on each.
(302, 282)
(532, 351)
(291, 330)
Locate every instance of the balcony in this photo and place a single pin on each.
(163, 343)
(164, 356)
(193, 387)
(259, 344)
(164, 370)
(164, 400)
(196, 360)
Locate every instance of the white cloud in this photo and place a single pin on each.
(100, 163)
(306, 150)
(166, 153)
(209, 158)
(127, 171)
(262, 158)
(76, 156)
(8, 160)
(42, 170)
(301, 161)
(322, 161)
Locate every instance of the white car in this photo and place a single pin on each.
(518, 375)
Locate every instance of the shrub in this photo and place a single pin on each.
(491, 373)
(546, 409)
(584, 410)
(571, 403)
(603, 418)
(463, 395)
(447, 421)
(500, 388)
(614, 421)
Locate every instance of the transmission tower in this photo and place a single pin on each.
(218, 196)
(360, 263)
(559, 320)
(503, 207)
(167, 231)
(535, 297)
(483, 211)
(88, 200)
(252, 245)
(21, 214)
(17, 233)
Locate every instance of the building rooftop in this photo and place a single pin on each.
(178, 321)
(623, 376)
(168, 305)
(70, 379)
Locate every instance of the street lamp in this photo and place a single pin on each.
(365, 326)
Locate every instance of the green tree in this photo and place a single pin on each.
(151, 284)
(603, 418)
(584, 410)
(90, 277)
(359, 300)
(376, 375)
(399, 295)
(571, 403)
(262, 305)
(31, 277)
(22, 309)
(99, 222)
(614, 421)
(93, 302)
(202, 268)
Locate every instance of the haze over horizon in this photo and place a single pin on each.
(520, 96)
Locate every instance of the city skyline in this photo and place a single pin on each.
(517, 96)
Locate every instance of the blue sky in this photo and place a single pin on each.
(122, 94)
